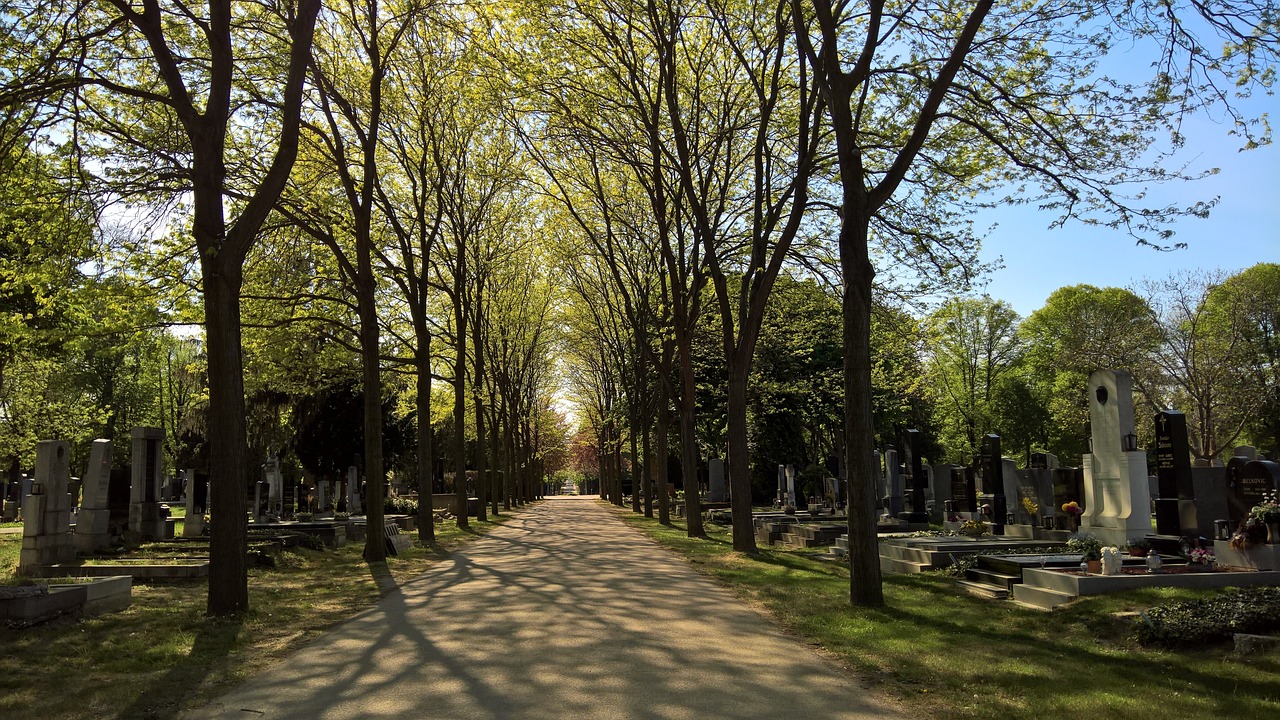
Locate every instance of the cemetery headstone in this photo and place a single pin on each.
(353, 491)
(1117, 503)
(719, 491)
(791, 485)
(1248, 452)
(46, 512)
(1248, 484)
(782, 485)
(893, 483)
(197, 492)
(993, 491)
(1175, 500)
(918, 481)
(144, 487)
(93, 521)
(1210, 486)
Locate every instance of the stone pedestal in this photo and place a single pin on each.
(145, 518)
(93, 520)
(46, 512)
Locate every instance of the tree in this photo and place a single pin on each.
(1218, 333)
(1249, 303)
(973, 344)
(112, 64)
(1082, 328)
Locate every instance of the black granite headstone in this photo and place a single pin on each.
(1175, 501)
(1249, 482)
(993, 481)
(960, 497)
(917, 479)
(200, 489)
(1244, 489)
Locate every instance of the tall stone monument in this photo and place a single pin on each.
(719, 491)
(918, 482)
(353, 491)
(1117, 501)
(144, 487)
(1175, 504)
(93, 531)
(46, 511)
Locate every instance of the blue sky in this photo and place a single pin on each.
(1241, 231)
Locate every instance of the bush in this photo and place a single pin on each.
(400, 506)
(1196, 622)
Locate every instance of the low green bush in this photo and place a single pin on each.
(400, 506)
(1215, 619)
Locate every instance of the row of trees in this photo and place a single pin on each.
(346, 207)
(380, 176)
(696, 147)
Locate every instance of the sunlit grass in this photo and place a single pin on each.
(947, 654)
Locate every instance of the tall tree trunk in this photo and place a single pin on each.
(228, 449)
(645, 466)
(661, 434)
(744, 537)
(495, 453)
(375, 548)
(864, 573)
(426, 513)
(477, 386)
(688, 437)
(637, 467)
(460, 409)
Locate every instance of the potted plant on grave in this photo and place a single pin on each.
(1201, 556)
(1089, 547)
(973, 528)
(1073, 511)
(1251, 531)
(1267, 512)
(1138, 546)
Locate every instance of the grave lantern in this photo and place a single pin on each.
(1129, 443)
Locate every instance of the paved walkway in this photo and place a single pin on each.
(563, 612)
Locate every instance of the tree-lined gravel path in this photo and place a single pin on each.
(563, 612)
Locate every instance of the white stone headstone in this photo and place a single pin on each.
(1117, 500)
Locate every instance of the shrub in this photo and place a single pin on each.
(400, 506)
(1215, 619)
(1087, 545)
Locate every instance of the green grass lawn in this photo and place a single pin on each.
(946, 654)
(163, 654)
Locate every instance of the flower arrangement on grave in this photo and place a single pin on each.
(1072, 508)
(1200, 556)
(1251, 531)
(1087, 545)
(1031, 507)
(1268, 511)
(974, 528)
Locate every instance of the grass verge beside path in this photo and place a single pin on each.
(163, 655)
(946, 654)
